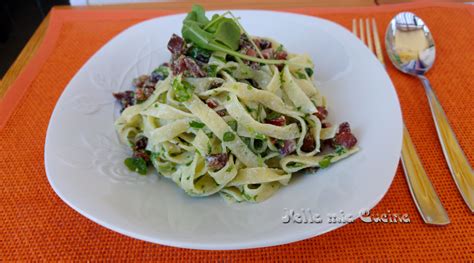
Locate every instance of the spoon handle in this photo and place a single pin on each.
(458, 164)
(421, 189)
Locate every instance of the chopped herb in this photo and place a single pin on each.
(136, 164)
(156, 105)
(209, 147)
(260, 136)
(228, 136)
(326, 161)
(212, 71)
(249, 87)
(300, 75)
(189, 177)
(183, 90)
(232, 124)
(250, 110)
(340, 150)
(199, 54)
(229, 169)
(160, 72)
(280, 48)
(273, 115)
(294, 165)
(260, 161)
(227, 97)
(196, 124)
(309, 71)
(298, 108)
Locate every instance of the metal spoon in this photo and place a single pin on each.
(411, 49)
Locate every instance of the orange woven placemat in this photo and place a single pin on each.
(35, 223)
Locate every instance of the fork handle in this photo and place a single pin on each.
(421, 189)
(458, 164)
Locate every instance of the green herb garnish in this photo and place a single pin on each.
(218, 34)
(260, 136)
(182, 89)
(232, 124)
(228, 136)
(300, 75)
(136, 164)
(163, 70)
(326, 161)
(340, 150)
(309, 71)
(196, 124)
(295, 165)
(212, 71)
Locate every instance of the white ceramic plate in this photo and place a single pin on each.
(84, 160)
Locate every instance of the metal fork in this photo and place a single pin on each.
(430, 207)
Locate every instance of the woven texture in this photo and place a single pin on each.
(36, 224)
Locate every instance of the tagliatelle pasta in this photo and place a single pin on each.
(214, 121)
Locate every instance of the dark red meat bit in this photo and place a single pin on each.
(289, 146)
(140, 143)
(193, 68)
(217, 161)
(280, 121)
(281, 55)
(325, 125)
(187, 66)
(344, 127)
(222, 112)
(322, 113)
(140, 81)
(308, 143)
(176, 45)
(346, 139)
(140, 94)
(212, 103)
(178, 66)
(344, 136)
(126, 98)
(267, 53)
(251, 52)
(263, 43)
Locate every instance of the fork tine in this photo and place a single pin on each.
(354, 27)
(378, 48)
(369, 37)
(361, 30)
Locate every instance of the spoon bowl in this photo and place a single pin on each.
(409, 44)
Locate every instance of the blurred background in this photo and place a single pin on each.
(18, 21)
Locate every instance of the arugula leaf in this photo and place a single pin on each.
(136, 164)
(198, 15)
(228, 33)
(220, 34)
